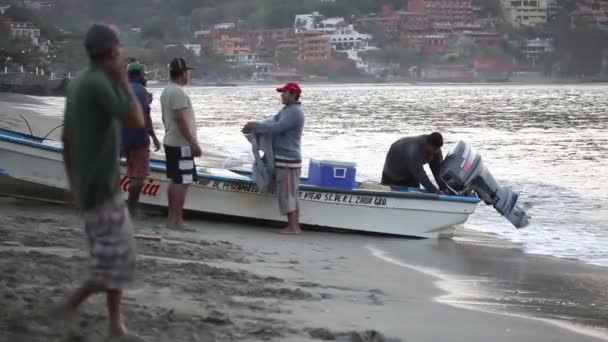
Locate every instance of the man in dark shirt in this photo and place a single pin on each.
(405, 161)
(135, 143)
(97, 103)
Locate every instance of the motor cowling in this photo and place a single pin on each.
(464, 173)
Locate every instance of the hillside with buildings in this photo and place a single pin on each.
(321, 40)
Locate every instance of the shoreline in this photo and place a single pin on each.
(44, 115)
(239, 276)
(469, 298)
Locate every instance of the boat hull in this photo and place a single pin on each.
(367, 211)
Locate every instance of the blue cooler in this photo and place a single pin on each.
(332, 174)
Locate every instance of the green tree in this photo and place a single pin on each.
(212, 64)
(402, 55)
(287, 59)
(381, 38)
(205, 17)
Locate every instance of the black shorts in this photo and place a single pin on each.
(180, 165)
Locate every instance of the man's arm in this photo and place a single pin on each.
(150, 130)
(67, 155)
(122, 103)
(144, 100)
(435, 165)
(182, 125)
(284, 123)
(133, 117)
(417, 170)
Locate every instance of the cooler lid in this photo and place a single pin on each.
(334, 163)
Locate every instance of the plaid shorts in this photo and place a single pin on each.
(288, 183)
(109, 235)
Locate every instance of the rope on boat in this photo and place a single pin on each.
(49, 133)
(32, 133)
(28, 124)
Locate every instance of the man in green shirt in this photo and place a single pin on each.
(97, 103)
(181, 144)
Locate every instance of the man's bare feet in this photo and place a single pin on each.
(291, 231)
(181, 227)
(125, 337)
(118, 330)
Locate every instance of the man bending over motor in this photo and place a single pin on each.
(404, 166)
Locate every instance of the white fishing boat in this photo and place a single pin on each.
(218, 191)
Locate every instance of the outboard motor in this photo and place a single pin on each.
(463, 172)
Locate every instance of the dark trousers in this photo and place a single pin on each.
(407, 183)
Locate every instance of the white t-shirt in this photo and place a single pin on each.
(175, 97)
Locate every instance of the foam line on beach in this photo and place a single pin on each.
(455, 290)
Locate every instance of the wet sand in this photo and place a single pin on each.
(232, 281)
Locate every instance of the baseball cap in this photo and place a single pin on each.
(179, 64)
(135, 67)
(291, 86)
(99, 39)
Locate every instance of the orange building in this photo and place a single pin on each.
(285, 47)
(313, 47)
(230, 46)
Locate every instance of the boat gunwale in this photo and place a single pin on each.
(25, 139)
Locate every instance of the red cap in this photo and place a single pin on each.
(291, 86)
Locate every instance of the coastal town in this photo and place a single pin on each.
(409, 41)
(303, 170)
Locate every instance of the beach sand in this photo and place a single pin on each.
(233, 281)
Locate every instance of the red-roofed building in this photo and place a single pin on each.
(451, 11)
(591, 12)
(265, 41)
(394, 23)
(492, 70)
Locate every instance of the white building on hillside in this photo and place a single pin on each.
(347, 38)
(343, 37)
(195, 48)
(24, 31)
(224, 26)
(534, 49)
(317, 22)
(3, 9)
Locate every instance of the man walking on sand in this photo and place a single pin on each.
(135, 143)
(97, 102)
(286, 129)
(180, 142)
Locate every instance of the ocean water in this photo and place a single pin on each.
(547, 142)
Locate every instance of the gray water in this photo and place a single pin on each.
(549, 143)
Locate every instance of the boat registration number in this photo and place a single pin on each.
(303, 195)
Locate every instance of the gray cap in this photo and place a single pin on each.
(100, 39)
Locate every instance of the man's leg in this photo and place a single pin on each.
(135, 186)
(179, 206)
(171, 204)
(114, 300)
(288, 181)
(293, 224)
(177, 199)
(138, 168)
(79, 297)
